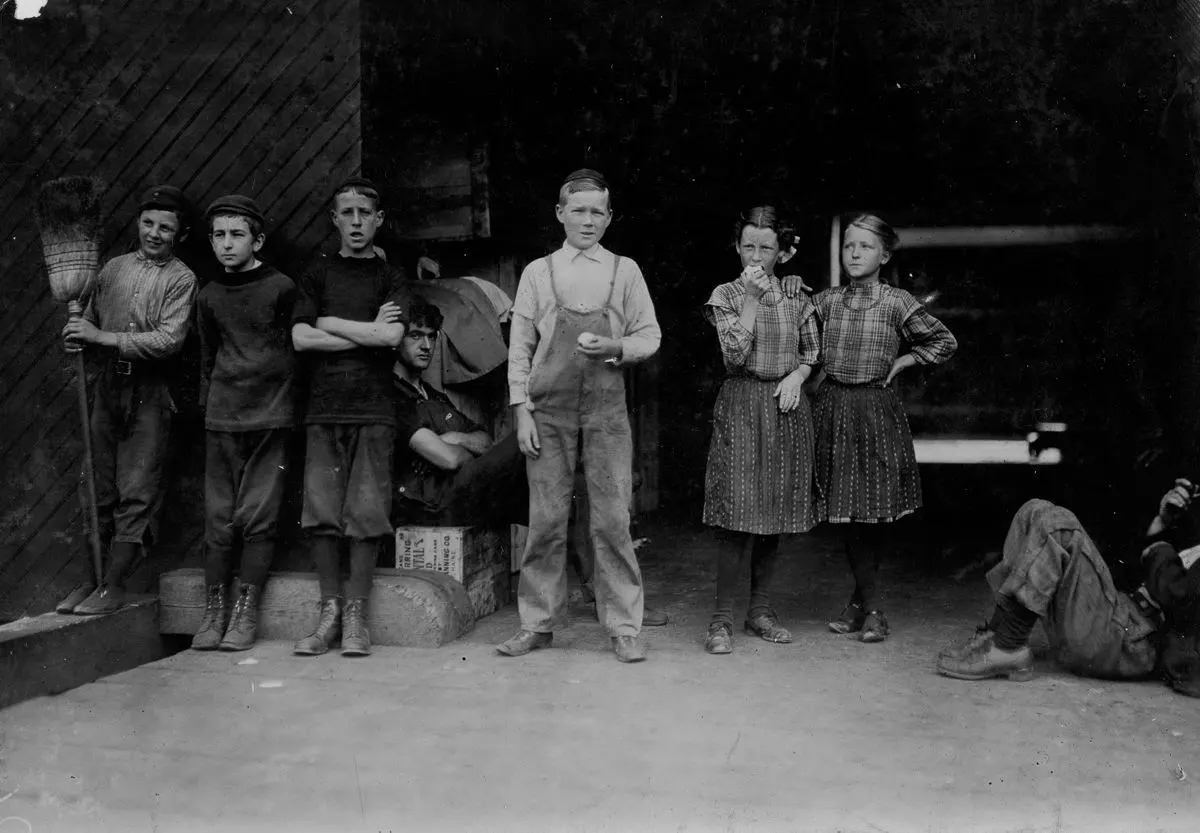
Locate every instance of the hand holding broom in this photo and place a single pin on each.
(68, 214)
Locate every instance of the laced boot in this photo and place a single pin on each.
(216, 618)
(356, 639)
(329, 627)
(243, 627)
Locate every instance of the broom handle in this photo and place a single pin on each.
(74, 311)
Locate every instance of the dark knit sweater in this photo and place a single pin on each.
(354, 386)
(248, 368)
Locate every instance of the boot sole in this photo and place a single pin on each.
(509, 652)
(1017, 675)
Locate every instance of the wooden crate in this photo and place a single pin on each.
(478, 557)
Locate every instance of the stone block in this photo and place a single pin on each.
(411, 608)
(51, 653)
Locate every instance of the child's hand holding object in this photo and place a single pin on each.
(599, 347)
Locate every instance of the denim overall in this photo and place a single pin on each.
(579, 407)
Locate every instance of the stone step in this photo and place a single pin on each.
(410, 608)
(52, 653)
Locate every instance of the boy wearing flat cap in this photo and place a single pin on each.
(136, 321)
(349, 317)
(247, 386)
(582, 314)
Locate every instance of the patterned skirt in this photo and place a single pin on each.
(866, 471)
(760, 462)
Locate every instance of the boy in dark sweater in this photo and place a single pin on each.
(248, 390)
(350, 315)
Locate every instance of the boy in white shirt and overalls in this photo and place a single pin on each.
(581, 315)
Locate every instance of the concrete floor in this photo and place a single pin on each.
(825, 734)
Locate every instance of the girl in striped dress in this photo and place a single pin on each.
(758, 484)
(866, 472)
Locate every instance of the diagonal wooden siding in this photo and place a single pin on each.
(250, 96)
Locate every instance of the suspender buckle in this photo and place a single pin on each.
(122, 367)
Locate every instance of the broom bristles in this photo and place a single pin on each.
(68, 214)
(69, 205)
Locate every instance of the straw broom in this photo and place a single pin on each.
(68, 214)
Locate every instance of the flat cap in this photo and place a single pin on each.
(587, 174)
(357, 183)
(236, 204)
(165, 197)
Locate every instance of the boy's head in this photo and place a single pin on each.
(584, 207)
(420, 336)
(235, 230)
(162, 221)
(357, 216)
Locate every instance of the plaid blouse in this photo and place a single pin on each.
(785, 332)
(863, 327)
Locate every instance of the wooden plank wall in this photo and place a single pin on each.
(250, 96)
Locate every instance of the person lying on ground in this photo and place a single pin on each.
(1051, 570)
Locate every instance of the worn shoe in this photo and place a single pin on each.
(216, 619)
(329, 628)
(356, 638)
(874, 627)
(958, 652)
(767, 627)
(524, 642)
(980, 659)
(81, 592)
(719, 639)
(243, 626)
(104, 599)
(628, 648)
(850, 620)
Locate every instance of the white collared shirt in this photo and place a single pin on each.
(583, 278)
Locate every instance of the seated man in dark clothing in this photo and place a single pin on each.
(447, 470)
(1052, 571)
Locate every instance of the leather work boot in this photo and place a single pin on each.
(719, 639)
(766, 626)
(216, 618)
(628, 648)
(982, 633)
(982, 660)
(875, 628)
(523, 642)
(356, 639)
(107, 598)
(243, 627)
(329, 628)
(850, 620)
(81, 592)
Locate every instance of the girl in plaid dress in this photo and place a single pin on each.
(866, 473)
(759, 479)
